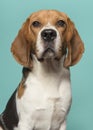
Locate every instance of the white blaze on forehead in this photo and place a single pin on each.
(49, 26)
(40, 42)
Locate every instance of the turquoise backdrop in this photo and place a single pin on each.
(12, 15)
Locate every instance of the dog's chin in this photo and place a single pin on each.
(48, 54)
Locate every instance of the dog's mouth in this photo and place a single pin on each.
(49, 53)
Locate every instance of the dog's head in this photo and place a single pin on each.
(48, 34)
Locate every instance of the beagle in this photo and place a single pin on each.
(46, 45)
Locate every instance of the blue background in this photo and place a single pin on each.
(12, 15)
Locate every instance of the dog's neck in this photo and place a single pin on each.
(48, 66)
(48, 75)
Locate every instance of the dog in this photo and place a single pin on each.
(46, 46)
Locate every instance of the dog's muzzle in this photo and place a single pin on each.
(48, 36)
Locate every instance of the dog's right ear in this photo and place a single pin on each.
(75, 45)
(21, 47)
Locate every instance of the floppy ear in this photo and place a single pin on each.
(75, 45)
(21, 48)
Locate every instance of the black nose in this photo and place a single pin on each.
(48, 35)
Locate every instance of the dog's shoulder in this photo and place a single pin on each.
(9, 117)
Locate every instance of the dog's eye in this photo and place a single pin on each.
(61, 23)
(36, 24)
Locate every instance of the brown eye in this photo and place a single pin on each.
(61, 23)
(36, 24)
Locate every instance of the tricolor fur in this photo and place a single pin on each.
(46, 45)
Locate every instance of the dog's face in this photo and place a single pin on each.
(49, 31)
(48, 34)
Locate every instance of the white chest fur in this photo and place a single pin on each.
(46, 100)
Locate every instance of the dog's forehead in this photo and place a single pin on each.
(48, 15)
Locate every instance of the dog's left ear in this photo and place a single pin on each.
(75, 45)
(22, 45)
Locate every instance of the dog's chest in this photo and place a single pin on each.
(41, 105)
(42, 114)
(47, 115)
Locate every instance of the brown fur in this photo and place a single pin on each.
(25, 42)
(21, 90)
